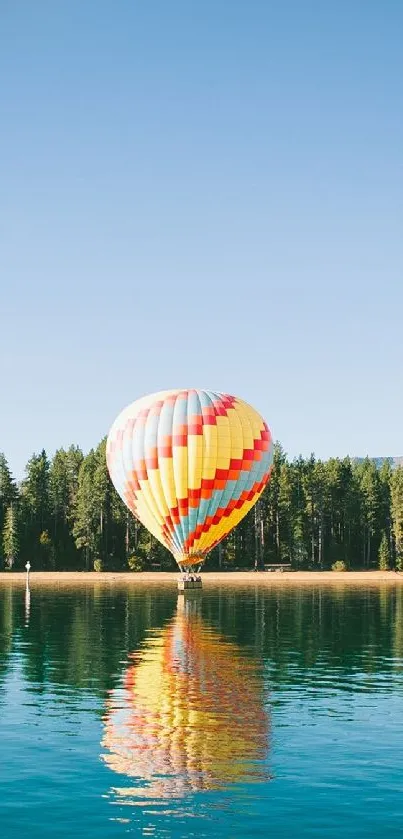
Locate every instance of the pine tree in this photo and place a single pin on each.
(47, 551)
(286, 503)
(86, 511)
(299, 520)
(271, 499)
(103, 490)
(59, 496)
(8, 490)
(310, 490)
(338, 481)
(396, 488)
(385, 477)
(384, 553)
(63, 485)
(35, 504)
(371, 508)
(10, 537)
(350, 532)
(276, 509)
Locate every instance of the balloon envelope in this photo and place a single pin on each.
(189, 464)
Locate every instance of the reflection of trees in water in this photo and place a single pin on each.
(341, 628)
(6, 628)
(191, 714)
(396, 618)
(78, 636)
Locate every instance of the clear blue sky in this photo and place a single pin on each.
(205, 194)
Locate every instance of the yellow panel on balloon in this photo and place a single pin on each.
(236, 434)
(195, 460)
(210, 448)
(180, 469)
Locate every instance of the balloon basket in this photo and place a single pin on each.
(194, 584)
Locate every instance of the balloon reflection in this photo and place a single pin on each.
(191, 714)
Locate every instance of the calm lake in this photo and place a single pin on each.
(235, 712)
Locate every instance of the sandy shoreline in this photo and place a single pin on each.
(230, 578)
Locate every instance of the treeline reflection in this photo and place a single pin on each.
(83, 637)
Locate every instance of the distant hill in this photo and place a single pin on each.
(394, 461)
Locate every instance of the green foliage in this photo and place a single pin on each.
(86, 512)
(35, 506)
(167, 562)
(135, 563)
(63, 487)
(312, 514)
(10, 537)
(47, 554)
(384, 553)
(98, 565)
(339, 566)
(396, 492)
(371, 507)
(8, 490)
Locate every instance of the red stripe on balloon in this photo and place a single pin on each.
(221, 512)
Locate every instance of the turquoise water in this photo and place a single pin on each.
(239, 712)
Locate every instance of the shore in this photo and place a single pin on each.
(227, 578)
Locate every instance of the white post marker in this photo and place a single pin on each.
(28, 567)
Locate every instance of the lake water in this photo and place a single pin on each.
(238, 712)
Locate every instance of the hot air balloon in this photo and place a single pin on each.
(189, 464)
(190, 714)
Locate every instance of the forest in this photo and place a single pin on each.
(339, 513)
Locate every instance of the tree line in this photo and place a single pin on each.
(66, 515)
